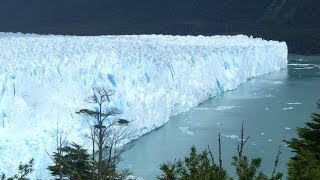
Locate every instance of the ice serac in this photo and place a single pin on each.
(45, 79)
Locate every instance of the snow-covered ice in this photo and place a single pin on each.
(44, 80)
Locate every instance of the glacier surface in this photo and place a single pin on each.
(44, 80)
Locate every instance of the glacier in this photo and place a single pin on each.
(44, 80)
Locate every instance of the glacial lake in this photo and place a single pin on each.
(271, 107)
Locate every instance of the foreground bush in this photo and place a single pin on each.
(196, 166)
(202, 166)
(23, 171)
(305, 164)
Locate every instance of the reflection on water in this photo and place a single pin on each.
(272, 106)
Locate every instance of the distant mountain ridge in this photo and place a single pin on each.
(294, 21)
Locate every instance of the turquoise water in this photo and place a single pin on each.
(271, 106)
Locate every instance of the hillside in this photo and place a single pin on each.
(294, 21)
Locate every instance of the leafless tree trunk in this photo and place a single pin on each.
(210, 153)
(276, 162)
(106, 133)
(60, 142)
(243, 141)
(220, 159)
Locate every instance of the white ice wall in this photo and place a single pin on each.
(45, 79)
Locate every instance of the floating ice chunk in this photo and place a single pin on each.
(277, 82)
(186, 130)
(294, 103)
(231, 136)
(294, 64)
(304, 68)
(287, 108)
(131, 177)
(303, 60)
(203, 108)
(268, 96)
(222, 108)
(189, 132)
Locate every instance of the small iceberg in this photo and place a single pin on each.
(287, 108)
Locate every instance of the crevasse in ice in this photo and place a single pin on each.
(44, 80)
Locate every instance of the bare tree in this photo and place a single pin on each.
(107, 133)
(220, 159)
(243, 141)
(246, 168)
(57, 157)
(60, 142)
(274, 174)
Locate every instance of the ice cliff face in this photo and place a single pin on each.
(45, 79)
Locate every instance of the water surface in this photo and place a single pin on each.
(271, 106)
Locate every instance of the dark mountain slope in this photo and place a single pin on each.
(295, 21)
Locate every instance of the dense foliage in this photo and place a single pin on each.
(72, 162)
(196, 166)
(200, 166)
(23, 171)
(306, 162)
